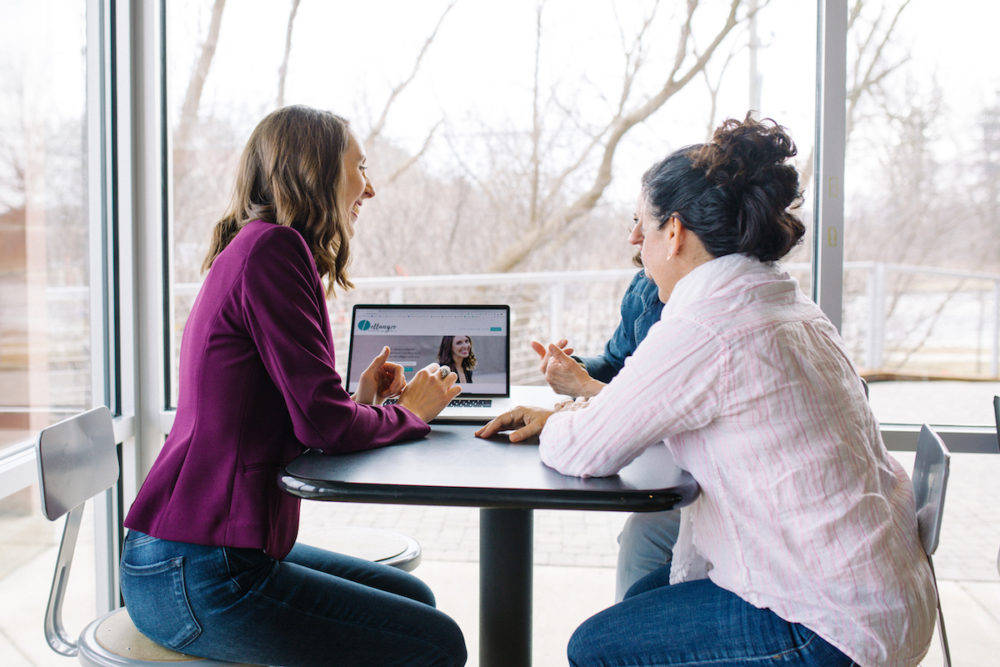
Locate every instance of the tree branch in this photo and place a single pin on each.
(283, 70)
(196, 84)
(536, 121)
(379, 124)
(620, 125)
(410, 161)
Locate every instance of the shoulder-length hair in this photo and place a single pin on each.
(289, 174)
(444, 354)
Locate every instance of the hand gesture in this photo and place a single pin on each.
(381, 380)
(564, 374)
(430, 390)
(527, 422)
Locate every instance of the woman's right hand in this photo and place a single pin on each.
(429, 392)
(563, 373)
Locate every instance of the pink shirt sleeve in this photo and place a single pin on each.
(671, 383)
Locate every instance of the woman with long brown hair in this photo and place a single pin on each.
(211, 566)
(456, 353)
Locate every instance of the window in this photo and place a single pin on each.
(46, 324)
(486, 125)
(922, 218)
(44, 257)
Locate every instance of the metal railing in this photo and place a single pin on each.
(896, 317)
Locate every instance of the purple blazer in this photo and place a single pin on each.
(257, 386)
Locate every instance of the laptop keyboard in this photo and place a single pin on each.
(458, 402)
(471, 403)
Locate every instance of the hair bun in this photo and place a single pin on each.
(744, 153)
(748, 159)
(736, 193)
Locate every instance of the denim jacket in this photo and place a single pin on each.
(640, 309)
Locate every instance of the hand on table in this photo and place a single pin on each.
(429, 391)
(563, 373)
(526, 420)
(381, 380)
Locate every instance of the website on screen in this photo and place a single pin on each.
(470, 341)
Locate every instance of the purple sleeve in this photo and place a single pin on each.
(283, 307)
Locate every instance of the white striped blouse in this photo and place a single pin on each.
(802, 510)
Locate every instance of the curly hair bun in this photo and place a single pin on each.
(747, 160)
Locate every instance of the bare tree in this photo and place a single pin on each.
(870, 68)
(196, 84)
(378, 126)
(283, 70)
(566, 208)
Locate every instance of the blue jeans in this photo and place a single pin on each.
(694, 623)
(312, 608)
(645, 544)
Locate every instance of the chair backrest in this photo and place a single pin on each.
(930, 480)
(996, 415)
(77, 459)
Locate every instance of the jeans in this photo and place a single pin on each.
(312, 608)
(694, 623)
(645, 544)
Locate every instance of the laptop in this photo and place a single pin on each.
(418, 335)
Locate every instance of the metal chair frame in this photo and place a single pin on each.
(996, 416)
(930, 482)
(77, 460)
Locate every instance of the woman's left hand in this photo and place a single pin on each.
(381, 380)
(526, 422)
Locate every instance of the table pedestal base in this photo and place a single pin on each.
(505, 564)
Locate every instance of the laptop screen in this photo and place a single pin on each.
(471, 340)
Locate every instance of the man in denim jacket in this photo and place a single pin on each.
(647, 538)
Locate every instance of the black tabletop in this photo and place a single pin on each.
(453, 467)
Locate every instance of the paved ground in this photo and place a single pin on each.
(574, 558)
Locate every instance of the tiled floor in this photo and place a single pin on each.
(574, 558)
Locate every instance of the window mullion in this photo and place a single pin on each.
(831, 128)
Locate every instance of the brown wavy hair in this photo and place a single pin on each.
(444, 354)
(289, 174)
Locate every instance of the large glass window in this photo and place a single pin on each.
(45, 318)
(45, 309)
(503, 138)
(922, 266)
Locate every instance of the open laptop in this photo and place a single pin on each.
(418, 335)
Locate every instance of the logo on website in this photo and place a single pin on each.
(365, 325)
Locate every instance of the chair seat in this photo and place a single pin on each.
(113, 639)
(380, 546)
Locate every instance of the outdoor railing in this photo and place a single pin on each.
(897, 317)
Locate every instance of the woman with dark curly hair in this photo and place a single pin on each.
(456, 353)
(802, 547)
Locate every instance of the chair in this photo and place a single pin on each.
(996, 415)
(930, 480)
(77, 459)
